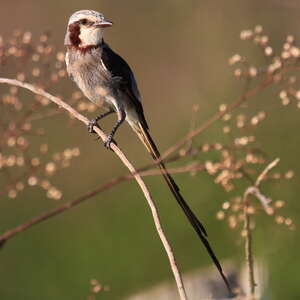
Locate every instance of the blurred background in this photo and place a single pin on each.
(179, 52)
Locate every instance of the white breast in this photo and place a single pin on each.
(90, 36)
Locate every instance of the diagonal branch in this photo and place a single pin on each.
(143, 171)
(217, 116)
(7, 235)
(126, 162)
(267, 81)
(60, 209)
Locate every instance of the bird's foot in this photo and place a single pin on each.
(91, 124)
(109, 141)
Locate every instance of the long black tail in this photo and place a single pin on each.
(145, 137)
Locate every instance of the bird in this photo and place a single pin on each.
(106, 79)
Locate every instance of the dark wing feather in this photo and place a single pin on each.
(119, 68)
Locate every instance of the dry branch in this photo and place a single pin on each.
(254, 190)
(125, 161)
(70, 204)
(217, 116)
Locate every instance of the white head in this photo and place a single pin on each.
(85, 28)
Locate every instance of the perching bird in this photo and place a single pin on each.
(105, 78)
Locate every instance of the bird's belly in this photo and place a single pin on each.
(119, 101)
(94, 89)
(100, 88)
(90, 78)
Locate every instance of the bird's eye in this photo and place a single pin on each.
(84, 21)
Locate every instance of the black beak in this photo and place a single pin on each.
(103, 24)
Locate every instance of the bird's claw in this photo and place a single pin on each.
(109, 141)
(91, 124)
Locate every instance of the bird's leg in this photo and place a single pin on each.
(121, 119)
(94, 122)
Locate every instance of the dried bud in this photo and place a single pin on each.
(234, 59)
(268, 51)
(285, 54)
(290, 39)
(27, 36)
(289, 174)
(232, 222)
(288, 221)
(227, 117)
(279, 220)
(222, 107)
(295, 52)
(12, 194)
(60, 56)
(246, 35)
(226, 205)
(258, 29)
(32, 181)
(264, 40)
(279, 204)
(35, 161)
(226, 129)
(220, 215)
(50, 168)
(237, 73)
(252, 71)
(36, 72)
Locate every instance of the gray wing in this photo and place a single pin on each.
(118, 67)
(67, 60)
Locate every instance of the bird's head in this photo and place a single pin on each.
(85, 29)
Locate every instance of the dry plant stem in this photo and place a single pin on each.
(190, 136)
(56, 211)
(248, 246)
(70, 204)
(10, 233)
(253, 190)
(264, 173)
(143, 171)
(125, 161)
(266, 82)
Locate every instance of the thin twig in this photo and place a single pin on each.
(143, 171)
(264, 173)
(58, 210)
(70, 204)
(254, 190)
(4, 237)
(248, 245)
(217, 116)
(268, 80)
(175, 147)
(265, 201)
(125, 161)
